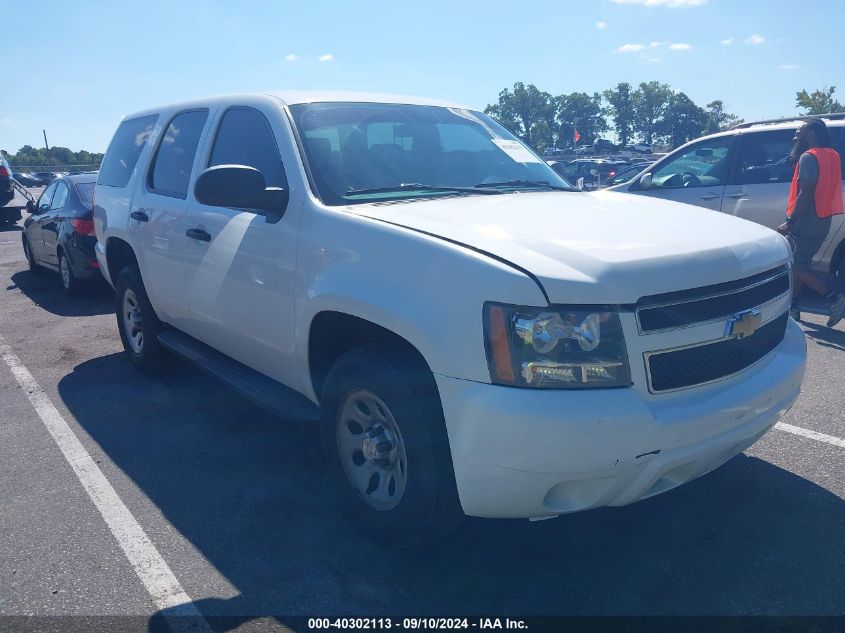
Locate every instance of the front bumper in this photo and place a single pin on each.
(539, 453)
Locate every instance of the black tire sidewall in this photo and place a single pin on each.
(30, 258)
(73, 288)
(151, 352)
(420, 514)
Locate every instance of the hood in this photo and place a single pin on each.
(602, 247)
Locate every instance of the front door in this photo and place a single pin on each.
(34, 232)
(240, 270)
(695, 175)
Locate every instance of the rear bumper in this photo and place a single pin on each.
(100, 254)
(524, 453)
(80, 252)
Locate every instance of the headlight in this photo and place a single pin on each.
(562, 347)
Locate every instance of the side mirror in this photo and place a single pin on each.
(240, 187)
(30, 208)
(645, 181)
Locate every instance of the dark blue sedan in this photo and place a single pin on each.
(59, 233)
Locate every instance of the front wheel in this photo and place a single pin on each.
(137, 322)
(30, 258)
(385, 438)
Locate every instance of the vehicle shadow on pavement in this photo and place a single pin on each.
(251, 494)
(44, 289)
(10, 228)
(826, 336)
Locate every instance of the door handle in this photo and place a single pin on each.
(736, 195)
(198, 234)
(140, 216)
(709, 196)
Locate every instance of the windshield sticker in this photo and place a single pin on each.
(516, 150)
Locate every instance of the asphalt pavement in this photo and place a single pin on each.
(238, 504)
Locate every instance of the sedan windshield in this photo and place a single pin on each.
(368, 152)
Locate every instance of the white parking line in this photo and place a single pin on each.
(151, 568)
(813, 435)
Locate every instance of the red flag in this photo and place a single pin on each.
(576, 136)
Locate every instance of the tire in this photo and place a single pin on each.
(135, 315)
(399, 437)
(70, 283)
(30, 260)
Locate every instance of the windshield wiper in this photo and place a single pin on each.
(415, 186)
(526, 184)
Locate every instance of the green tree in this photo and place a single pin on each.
(682, 120)
(582, 111)
(818, 102)
(527, 112)
(650, 101)
(718, 119)
(621, 111)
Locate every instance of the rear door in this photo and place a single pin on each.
(695, 175)
(157, 221)
(760, 188)
(51, 223)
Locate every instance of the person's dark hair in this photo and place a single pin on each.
(819, 129)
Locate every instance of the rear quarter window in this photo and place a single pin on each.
(124, 150)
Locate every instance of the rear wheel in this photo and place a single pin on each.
(137, 322)
(384, 436)
(69, 281)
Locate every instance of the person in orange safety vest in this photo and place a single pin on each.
(815, 196)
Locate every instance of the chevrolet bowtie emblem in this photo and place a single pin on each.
(744, 324)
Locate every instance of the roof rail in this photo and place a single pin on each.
(834, 116)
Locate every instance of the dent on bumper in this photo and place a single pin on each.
(530, 453)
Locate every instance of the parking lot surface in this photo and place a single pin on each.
(238, 504)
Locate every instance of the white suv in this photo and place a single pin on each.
(744, 172)
(471, 334)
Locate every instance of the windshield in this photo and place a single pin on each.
(86, 193)
(367, 152)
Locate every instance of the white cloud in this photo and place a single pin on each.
(755, 39)
(672, 4)
(636, 48)
(788, 66)
(726, 42)
(680, 47)
(292, 57)
(630, 48)
(601, 24)
(328, 57)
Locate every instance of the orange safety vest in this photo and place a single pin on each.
(828, 186)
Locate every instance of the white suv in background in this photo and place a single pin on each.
(744, 172)
(471, 334)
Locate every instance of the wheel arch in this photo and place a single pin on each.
(119, 254)
(325, 345)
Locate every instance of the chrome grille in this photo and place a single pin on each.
(700, 305)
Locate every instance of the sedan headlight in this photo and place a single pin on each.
(561, 347)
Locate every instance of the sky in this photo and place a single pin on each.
(79, 67)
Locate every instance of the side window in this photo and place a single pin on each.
(704, 164)
(245, 137)
(124, 150)
(838, 138)
(174, 159)
(60, 197)
(46, 198)
(764, 157)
